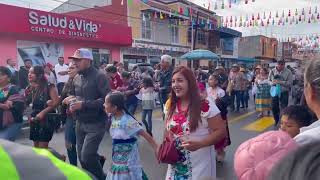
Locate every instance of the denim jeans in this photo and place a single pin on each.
(148, 124)
(246, 98)
(163, 99)
(71, 141)
(279, 103)
(12, 132)
(238, 97)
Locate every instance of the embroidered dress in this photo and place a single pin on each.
(218, 96)
(125, 155)
(263, 97)
(200, 164)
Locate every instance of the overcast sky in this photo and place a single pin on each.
(239, 9)
(269, 6)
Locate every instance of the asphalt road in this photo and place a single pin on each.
(242, 126)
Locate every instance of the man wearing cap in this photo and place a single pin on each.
(90, 88)
(285, 80)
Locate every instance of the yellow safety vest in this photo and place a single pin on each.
(19, 162)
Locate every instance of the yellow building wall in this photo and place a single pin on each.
(134, 10)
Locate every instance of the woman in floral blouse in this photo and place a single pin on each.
(196, 125)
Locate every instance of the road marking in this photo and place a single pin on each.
(239, 118)
(260, 124)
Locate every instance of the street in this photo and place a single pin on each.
(242, 126)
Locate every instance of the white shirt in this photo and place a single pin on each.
(58, 68)
(215, 93)
(309, 134)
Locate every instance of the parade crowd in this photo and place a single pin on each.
(89, 101)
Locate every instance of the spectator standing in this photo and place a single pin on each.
(148, 103)
(115, 78)
(263, 97)
(237, 80)
(61, 70)
(70, 132)
(50, 75)
(255, 75)
(165, 79)
(130, 88)
(282, 76)
(246, 87)
(90, 87)
(312, 95)
(23, 73)
(157, 70)
(11, 65)
(223, 77)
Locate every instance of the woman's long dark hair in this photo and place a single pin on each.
(6, 71)
(193, 95)
(117, 99)
(41, 80)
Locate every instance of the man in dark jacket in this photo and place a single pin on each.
(90, 88)
(23, 73)
(165, 79)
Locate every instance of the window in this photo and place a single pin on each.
(201, 37)
(263, 47)
(189, 35)
(146, 27)
(174, 31)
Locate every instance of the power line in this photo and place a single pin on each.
(114, 13)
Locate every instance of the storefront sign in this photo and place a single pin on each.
(28, 21)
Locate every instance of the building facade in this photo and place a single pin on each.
(158, 26)
(45, 36)
(261, 48)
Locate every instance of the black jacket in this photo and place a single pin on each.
(92, 87)
(23, 77)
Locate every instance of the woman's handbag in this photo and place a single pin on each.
(168, 153)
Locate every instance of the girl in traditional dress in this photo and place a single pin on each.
(263, 97)
(124, 131)
(196, 125)
(218, 95)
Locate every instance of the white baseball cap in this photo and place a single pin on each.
(82, 53)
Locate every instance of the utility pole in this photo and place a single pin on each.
(195, 37)
(195, 32)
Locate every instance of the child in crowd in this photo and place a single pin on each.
(219, 97)
(124, 131)
(148, 96)
(293, 118)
